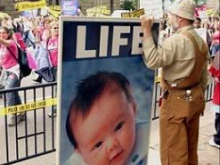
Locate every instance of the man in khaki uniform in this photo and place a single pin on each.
(183, 58)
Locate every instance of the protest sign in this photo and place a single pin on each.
(152, 8)
(69, 7)
(23, 5)
(105, 92)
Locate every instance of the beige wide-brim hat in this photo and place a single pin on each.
(183, 8)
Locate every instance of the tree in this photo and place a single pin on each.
(129, 4)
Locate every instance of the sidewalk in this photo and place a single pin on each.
(207, 155)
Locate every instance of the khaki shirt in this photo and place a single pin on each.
(176, 55)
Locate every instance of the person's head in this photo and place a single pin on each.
(216, 19)
(216, 26)
(206, 25)
(46, 23)
(4, 21)
(5, 33)
(197, 23)
(54, 28)
(101, 119)
(165, 16)
(181, 13)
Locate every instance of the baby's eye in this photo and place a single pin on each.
(119, 126)
(97, 145)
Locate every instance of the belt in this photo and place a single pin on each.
(184, 88)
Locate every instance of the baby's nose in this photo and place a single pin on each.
(112, 143)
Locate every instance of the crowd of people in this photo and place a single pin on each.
(38, 37)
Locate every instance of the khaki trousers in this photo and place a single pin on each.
(179, 127)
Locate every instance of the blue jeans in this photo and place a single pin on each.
(54, 107)
(215, 49)
(11, 81)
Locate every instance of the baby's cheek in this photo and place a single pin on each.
(97, 158)
(129, 136)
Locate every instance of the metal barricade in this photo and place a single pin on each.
(34, 136)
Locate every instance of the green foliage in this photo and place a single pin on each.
(129, 4)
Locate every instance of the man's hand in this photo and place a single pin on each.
(146, 25)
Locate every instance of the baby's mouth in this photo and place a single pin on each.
(116, 157)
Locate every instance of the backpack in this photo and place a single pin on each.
(22, 60)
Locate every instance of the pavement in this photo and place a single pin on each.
(207, 155)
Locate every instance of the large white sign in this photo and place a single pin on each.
(202, 32)
(152, 7)
(166, 4)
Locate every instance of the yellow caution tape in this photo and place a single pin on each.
(28, 106)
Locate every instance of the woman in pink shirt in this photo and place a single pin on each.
(12, 71)
(52, 44)
(52, 47)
